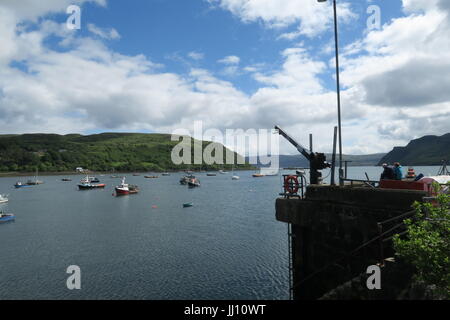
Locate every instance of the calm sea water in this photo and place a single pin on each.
(147, 246)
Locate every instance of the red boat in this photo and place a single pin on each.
(424, 184)
(125, 188)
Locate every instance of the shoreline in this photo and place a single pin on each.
(73, 173)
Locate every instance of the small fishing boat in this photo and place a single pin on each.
(187, 205)
(257, 175)
(35, 181)
(6, 217)
(184, 180)
(211, 174)
(193, 182)
(234, 177)
(86, 184)
(151, 177)
(165, 174)
(125, 188)
(66, 179)
(20, 184)
(222, 172)
(3, 198)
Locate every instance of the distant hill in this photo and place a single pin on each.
(98, 152)
(287, 161)
(425, 151)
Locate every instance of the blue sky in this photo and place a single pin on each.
(166, 31)
(161, 65)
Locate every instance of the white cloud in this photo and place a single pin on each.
(196, 55)
(230, 60)
(103, 33)
(313, 18)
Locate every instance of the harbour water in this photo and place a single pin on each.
(228, 245)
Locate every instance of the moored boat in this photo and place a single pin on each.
(34, 182)
(125, 188)
(151, 177)
(211, 174)
(193, 182)
(184, 180)
(165, 174)
(234, 177)
(257, 175)
(187, 205)
(20, 184)
(86, 184)
(3, 198)
(6, 217)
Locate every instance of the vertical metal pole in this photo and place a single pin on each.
(310, 143)
(380, 242)
(338, 89)
(333, 159)
(346, 162)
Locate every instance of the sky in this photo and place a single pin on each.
(162, 65)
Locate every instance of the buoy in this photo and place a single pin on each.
(411, 173)
(291, 184)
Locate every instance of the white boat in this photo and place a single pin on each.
(35, 181)
(193, 182)
(234, 177)
(3, 198)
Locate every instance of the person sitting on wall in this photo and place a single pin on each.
(398, 171)
(388, 173)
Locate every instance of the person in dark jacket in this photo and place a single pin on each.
(388, 173)
(398, 171)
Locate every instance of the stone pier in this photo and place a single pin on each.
(332, 221)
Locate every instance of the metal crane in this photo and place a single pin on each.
(317, 161)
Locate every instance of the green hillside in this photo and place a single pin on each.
(98, 152)
(425, 151)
